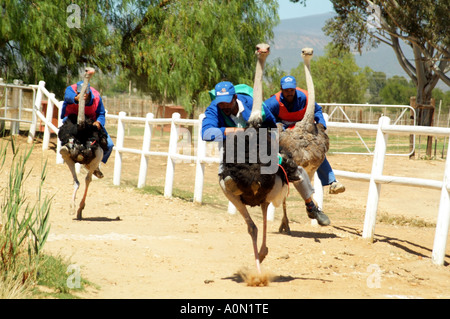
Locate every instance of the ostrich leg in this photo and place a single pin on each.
(284, 227)
(76, 184)
(83, 200)
(252, 229)
(91, 167)
(263, 251)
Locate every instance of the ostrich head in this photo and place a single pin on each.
(307, 54)
(262, 50)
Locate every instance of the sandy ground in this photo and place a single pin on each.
(138, 245)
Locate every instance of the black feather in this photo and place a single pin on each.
(248, 175)
(82, 139)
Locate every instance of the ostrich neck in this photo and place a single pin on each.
(309, 114)
(81, 102)
(258, 87)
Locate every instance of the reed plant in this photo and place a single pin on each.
(24, 226)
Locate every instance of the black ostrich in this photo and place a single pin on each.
(246, 183)
(82, 142)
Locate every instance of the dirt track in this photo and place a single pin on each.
(136, 245)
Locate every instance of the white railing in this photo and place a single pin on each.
(46, 118)
(411, 117)
(172, 156)
(375, 178)
(17, 106)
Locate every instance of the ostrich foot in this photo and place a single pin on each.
(97, 173)
(263, 253)
(284, 228)
(80, 210)
(336, 188)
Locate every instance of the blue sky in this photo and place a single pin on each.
(289, 10)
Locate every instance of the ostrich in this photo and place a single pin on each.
(83, 143)
(307, 141)
(244, 183)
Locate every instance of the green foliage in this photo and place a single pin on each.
(171, 49)
(376, 81)
(421, 25)
(397, 91)
(186, 47)
(24, 227)
(39, 41)
(444, 97)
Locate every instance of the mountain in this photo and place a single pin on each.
(291, 35)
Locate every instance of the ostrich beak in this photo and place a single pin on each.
(307, 52)
(262, 51)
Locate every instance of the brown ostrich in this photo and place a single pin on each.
(307, 141)
(246, 183)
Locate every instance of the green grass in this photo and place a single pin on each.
(404, 221)
(55, 277)
(24, 227)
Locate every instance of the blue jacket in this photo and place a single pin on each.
(215, 121)
(69, 98)
(298, 104)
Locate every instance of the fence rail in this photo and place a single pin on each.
(375, 178)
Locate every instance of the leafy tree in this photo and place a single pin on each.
(376, 82)
(397, 91)
(183, 47)
(336, 76)
(51, 40)
(439, 95)
(423, 25)
(171, 49)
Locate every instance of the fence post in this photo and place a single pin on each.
(375, 188)
(318, 187)
(443, 219)
(59, 159)
(48, 119)
(318, 195)
(231, 208)
(36, 107)
(15, 107)
(119, 146)
(199, 166)
(170, 169)
(145, 148)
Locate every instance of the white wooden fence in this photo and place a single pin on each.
(375, 178)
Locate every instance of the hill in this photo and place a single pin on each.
(291, 35)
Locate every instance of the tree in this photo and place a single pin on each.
(422, 25)
(51, 40)
(171, 49)
(376, 82)
(184, 47)
(397, 91)
(337, 77)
